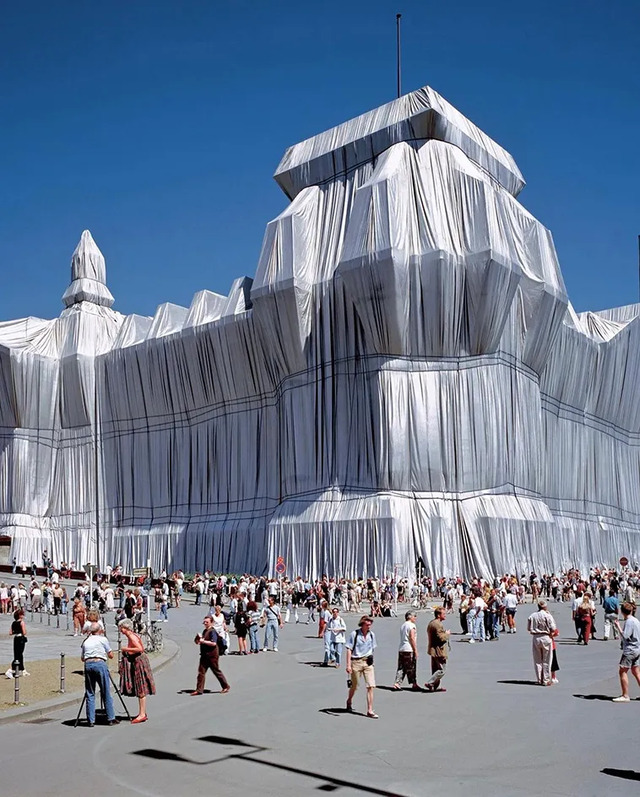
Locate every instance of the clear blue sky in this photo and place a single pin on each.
(158, 126)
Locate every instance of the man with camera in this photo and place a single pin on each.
(360, 647)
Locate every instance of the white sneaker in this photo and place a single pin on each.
(275, 650)
(472, 641)
(24, 672)
(264, 650)
(555, 681)
(8, 674)
(621, 699)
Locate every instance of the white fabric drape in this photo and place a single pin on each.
(404, 377)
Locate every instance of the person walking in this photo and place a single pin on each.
(611, 608)
(407, 653)
(338, 630)
(253, 620)
(510, 602)
(96, 650)
(584, 614)
(209, 657)
(323, 631)
(437, 649)
(273, 622)
(136, 678)
(630, 659)
(541, 626)
(360, 647)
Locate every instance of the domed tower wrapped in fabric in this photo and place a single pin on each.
(403, 377)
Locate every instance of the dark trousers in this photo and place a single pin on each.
(406, 666)
(210, 662)
(19, 643)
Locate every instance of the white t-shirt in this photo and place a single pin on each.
(479, 604)
(405, 630)
(96, 646)
(510, 601)
(338, 629)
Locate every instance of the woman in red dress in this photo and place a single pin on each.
(136, 678)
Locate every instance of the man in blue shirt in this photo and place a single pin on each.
(611, 607)
(360, 647)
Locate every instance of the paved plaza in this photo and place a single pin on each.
(282, 730)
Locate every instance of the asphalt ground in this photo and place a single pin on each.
(283, 730)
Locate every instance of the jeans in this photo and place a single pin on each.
(495, 617)
(97, 673)
(327, 646)
(608, 625)
(478, 626)
(272, 626)
(336, 651)
(163, 611)
(253, 636)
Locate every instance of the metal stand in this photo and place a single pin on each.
(116, 690)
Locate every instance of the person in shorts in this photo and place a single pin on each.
(360, 647)
(630, 659)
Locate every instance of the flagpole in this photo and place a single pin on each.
(398, 53)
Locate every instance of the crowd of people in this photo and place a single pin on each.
(254, 609)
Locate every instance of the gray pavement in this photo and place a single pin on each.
(282, 729)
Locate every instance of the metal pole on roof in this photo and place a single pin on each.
(398, 55)
(96, 465)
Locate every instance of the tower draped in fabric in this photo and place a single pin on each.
(403, 377)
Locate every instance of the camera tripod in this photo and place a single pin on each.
(115, 689)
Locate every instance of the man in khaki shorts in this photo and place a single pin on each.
(360, 647)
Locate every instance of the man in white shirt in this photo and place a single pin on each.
(95, 652)
(476, 615)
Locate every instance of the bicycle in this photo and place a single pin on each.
(152, 637)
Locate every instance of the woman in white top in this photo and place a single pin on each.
(407, 653)
(109, 599)
(220, 625)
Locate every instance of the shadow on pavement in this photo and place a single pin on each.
(402, 689)
(327, 783)
(334, 712)
(517, 682)
(608, 698)
(626, 774)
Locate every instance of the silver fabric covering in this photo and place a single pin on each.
(404, 376)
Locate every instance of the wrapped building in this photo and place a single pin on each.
(404, 376)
